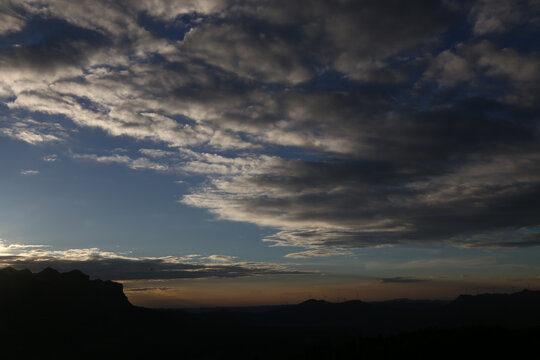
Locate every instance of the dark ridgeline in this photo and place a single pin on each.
(66, 315)
(51, 291)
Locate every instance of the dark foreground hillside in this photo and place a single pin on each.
(49, 315)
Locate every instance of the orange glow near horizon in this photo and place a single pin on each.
(261, 291)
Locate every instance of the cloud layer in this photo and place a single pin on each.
(340, 124)
(115, 266)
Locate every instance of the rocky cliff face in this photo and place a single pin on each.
(49, 291)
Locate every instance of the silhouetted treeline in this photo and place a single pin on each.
(49, 315)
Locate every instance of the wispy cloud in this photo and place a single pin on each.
(220, 258)
(156, 153)
(50, 158)
(29, 172)
(34, 132)
(140, 163)
(317, 253)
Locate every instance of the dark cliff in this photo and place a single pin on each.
(49, 291)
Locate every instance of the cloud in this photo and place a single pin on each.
(141, 101)
(365, 204)
(168, 10)
(34, 132)
(10, 23)
(136, 164)
(507, 63)
(341, 125)
(116, 266)
(50, 158)
(504, 238)
(356, 38)
(147, 289)
(521, 71)
(448, 69)
(401, 280)
(221, 258)
(248, 53)
(29, 172)
(156, 153)
(498, 16)
(6, 249)
(317, 253)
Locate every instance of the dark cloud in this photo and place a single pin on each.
(401, 280)
(247, 53)
(147, 289)
(342, 124)
(499, 16)
(354, 37)
(433, 176)
(61, 46)
(143, 268)
(506, 238)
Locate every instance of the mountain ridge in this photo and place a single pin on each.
(76, 317)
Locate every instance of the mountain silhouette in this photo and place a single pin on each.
(517, 309)
(389, 317)
(52, 315)
(51, 291)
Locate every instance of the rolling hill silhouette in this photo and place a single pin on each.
(67, 315)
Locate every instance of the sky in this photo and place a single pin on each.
(242, 152)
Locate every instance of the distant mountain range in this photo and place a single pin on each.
(520, 309)
(71, 313)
